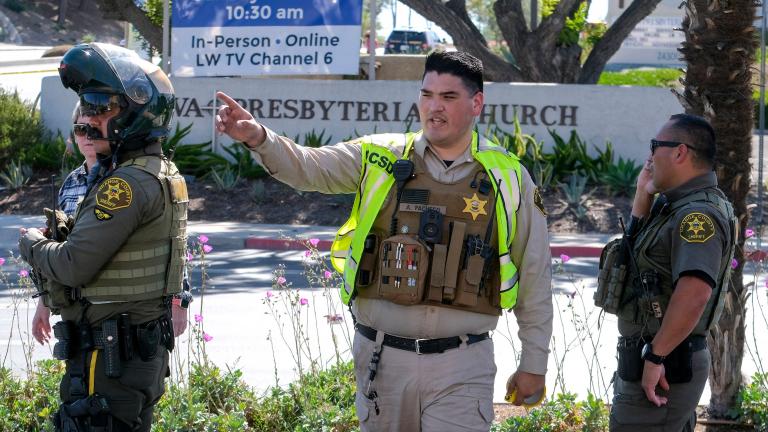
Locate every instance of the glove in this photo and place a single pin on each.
(28, 240)
(59, 223)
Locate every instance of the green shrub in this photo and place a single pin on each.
(26, 404)
(16, 175)
(220, 400)
(244, 163)
(46, 153)
(563, 414)
(20, 127)
(620, 178)
(753, 401)
(642, 77)
(192, 159)
(14, 5)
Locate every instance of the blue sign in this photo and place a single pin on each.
(239, 13)
(258, 37)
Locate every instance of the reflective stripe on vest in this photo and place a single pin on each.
(376, 181)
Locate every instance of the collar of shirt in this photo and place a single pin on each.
(424, 149)
(81, 172)
(703, 181)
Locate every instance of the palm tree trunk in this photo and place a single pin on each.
(719, 49)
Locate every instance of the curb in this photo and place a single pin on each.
(573, 251)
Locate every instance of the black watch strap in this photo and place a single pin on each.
(648, 355)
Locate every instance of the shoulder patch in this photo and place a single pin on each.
(101, 214)
(114, 193)
(539, 201)
(697, 228)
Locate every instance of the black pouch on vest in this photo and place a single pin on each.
(630, 363)
(147, 340)
(678, 365)
(367, 261)
(112, 365)
(66, 340)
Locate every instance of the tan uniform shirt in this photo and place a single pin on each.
(93, 242)
(336, 169)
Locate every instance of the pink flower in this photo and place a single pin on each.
(314, 242)
(303, 301)
(23, 273)
(198, 318)
(207, 337)
(749, 233)
(190, 257)
(202, 238)
(766, 283)
(307, 253)
(333, 319)
(269, 294)
(207, 248)
(734, 263)
(2, 261)
(280, 280)
(564, 258)
(327, 274)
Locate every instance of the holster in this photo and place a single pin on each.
(82, 415)
(630, 364)
(678, 365)
(147, 339)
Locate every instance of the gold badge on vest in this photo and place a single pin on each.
(697, 228)
(475, 206)
(114, 193)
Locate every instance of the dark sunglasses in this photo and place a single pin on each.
(656, 144)
(94, 104)
(80, 129)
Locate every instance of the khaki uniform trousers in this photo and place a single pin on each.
(633, 412)
(452, 391)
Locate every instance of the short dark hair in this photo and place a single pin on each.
(463, 65)
(699, 135)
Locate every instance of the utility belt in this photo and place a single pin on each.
(420, 346)
(678, 365)
(117, 338)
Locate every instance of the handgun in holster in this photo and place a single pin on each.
(147, 339)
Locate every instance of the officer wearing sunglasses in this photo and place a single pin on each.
(681, 243)
(115, 278)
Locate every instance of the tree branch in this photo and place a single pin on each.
(453, 18)
(126, 10)
(607, 46)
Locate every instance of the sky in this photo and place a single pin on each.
(597, 12)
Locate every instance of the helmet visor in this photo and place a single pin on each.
(94, 104)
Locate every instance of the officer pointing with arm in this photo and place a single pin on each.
(446, 231)
(681, 243)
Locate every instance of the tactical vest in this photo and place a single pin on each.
(150, 263)
(647, 308)
(445, 271)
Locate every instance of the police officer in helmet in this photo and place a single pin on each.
(114, 278)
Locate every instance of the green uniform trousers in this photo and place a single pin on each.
(133, 396)
(631, 411)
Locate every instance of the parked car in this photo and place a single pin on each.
(412, 42)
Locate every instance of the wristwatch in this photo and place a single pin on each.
(647, 354)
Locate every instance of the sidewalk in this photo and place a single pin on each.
(241, 235)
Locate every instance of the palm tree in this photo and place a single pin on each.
(719, 49)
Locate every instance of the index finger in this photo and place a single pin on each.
(227, 100)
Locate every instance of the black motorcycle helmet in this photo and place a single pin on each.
(107, 76)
